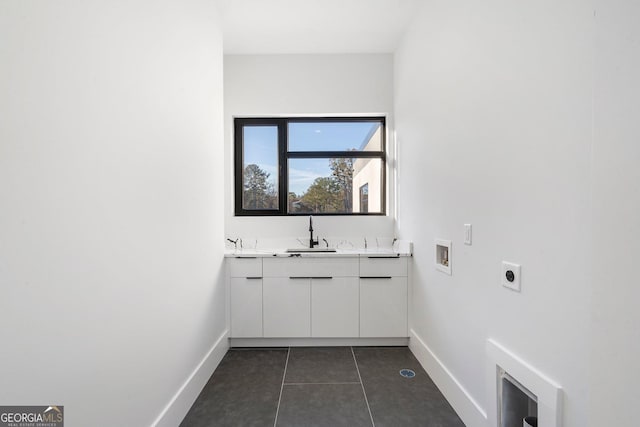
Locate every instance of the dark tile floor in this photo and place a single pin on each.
(320, 386)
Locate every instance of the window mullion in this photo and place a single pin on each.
(283, 167)
(334, 154)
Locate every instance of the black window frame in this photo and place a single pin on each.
(283, 159)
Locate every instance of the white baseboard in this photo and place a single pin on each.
(175, 411)
(466, 407)
(316, 342)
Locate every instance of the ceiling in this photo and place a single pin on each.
(314, 26)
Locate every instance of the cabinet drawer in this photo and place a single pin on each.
(244, 267)
(310, 267)
(383, 267)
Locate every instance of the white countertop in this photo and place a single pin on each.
(282, 252)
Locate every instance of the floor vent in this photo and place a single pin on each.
(407, 373)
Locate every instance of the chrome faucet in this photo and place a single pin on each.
(312, 242)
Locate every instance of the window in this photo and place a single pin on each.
(302, 166)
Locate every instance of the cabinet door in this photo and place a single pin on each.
(246, 307)
(287, 307)
(383, 307)
(334, 307)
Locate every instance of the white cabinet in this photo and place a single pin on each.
(310, 297)
(383, 307)
(318, 297)
(244, 267)
(245, 290)
(334, 307)
(311, 267)
(383, 297)
(246, 307)
(383, 266)
(287, 307)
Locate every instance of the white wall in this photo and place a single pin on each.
(493, 119)
(110, 228)
(273, 85)
(615, 343)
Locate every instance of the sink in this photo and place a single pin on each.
(306, 250)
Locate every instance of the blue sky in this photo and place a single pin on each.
(261, 142)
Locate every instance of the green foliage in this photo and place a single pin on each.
(342, 173)
(333, 193)
(327, 194)
(322, 195)
(258, 191)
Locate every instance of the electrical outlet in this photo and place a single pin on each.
(511, 276)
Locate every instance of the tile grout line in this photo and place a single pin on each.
(362, 384)
(345, 383)
(282, 386)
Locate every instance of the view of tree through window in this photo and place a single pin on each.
(327, 194)
(322, 160)
(259, 192)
